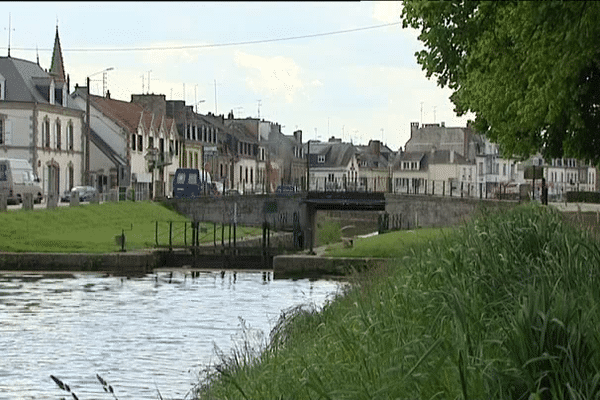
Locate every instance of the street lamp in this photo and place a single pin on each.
(87, 124)
(196, 105)
(103, 72)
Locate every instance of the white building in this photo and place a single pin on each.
(332, 165)
(131, 146)
(36, 123)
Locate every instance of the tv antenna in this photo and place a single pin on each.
(9, 30)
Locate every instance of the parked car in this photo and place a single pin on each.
(17, 178)
(86, 193)
(191, 183)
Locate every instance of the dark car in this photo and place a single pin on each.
(189, 183)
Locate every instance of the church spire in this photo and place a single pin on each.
(57, 67)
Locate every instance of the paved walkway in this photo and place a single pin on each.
(574, 207)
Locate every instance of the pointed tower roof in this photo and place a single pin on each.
(57, 68)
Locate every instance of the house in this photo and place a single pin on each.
(248, 159)
(132, 145)
(375, 161)
(495, 174)
(462, 140)
(332, 165)
(435, 171)
(38, 125)
(568, 175)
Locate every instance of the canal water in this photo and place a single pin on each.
(144, 336)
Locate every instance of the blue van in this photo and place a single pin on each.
(188, 183)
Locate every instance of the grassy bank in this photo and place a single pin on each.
(92, 228)
(504, 308)
(388, 245)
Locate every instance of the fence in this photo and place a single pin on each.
(420, 186)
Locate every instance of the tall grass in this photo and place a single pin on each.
(505, 307)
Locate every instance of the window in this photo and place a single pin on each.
(321, 158)
(503, 169)
(70, 138)
(133, 141)
(140, 143)
(46, 132)
(2, 131)
(150, 142)
(330, 177)
(58, 134)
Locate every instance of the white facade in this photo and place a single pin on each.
(49, 137)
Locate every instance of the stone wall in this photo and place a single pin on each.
(249, 210)
(411, 211)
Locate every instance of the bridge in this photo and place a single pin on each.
(297, 212)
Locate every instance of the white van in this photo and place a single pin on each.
(17, 178)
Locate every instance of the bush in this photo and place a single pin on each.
(583, 197)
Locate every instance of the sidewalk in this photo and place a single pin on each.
(576, 207)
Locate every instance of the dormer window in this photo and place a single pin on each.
(65, 94)
(51, 94)
(320, 158)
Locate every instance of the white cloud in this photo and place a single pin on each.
(316, 82)
(277, 76)
(387, 11)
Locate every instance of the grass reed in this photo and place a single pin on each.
(505, 307)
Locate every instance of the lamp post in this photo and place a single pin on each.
(87, 125)
(196, 105)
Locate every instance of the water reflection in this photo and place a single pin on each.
(140, 334)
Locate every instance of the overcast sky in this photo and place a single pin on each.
(328, 68)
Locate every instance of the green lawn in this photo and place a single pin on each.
(387, 245)
(92, 228)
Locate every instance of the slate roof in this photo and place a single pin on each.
(337, 154)
(429, 158)
(26, 81)
(57, 69)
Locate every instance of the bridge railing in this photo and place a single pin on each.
(405, 186)
(418, 186)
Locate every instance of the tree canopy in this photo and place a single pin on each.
(529, 71)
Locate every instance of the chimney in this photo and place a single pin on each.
(375, 146)
(451, 156)
(298, 136)
(108, 94)
(414, 127)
